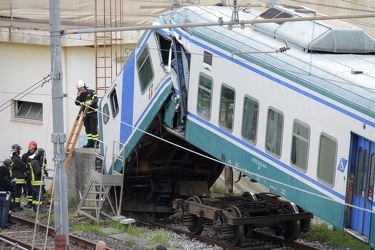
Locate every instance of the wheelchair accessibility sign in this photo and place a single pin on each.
(342, 165)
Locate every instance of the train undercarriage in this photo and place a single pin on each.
(164, 167)
(234, 218)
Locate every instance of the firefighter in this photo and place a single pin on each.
(18, 172)
(37, 182)
(88, 98)
(9, 164)
(6, 186)
(25, 158)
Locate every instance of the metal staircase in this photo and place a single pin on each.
(96, 201)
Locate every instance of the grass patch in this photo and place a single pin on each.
(161, 237)
(130, 242)
(217, 191)
(132, 229)
(90, 226)
(333, 237)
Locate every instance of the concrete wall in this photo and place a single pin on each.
(79, 172)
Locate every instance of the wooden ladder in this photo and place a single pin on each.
(74, 135)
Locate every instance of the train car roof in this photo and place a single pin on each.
(349, 75)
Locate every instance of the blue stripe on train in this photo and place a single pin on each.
(279, 81)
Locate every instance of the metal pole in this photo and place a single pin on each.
(60, 194)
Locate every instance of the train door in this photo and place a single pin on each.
(361, 184)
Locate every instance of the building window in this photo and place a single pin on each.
(105, 113)
(250, 120)
(28, 110)
(144, 67)
(204, 97)
(114, 103)
(327, 160)
(300, 145)
(274, 134)
(226, 114)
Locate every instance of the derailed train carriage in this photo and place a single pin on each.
(191, 100)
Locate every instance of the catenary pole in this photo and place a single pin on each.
(60, 194)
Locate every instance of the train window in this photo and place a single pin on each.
(164, 48)
(250, 119)
(274, 133)
(207, 60)
(365, 172)
(114, 103)
(105, 113)
(359, 174)
(327, 160)
(371, 183)
(144, 67)
(300, 145)
(204, 97)
(226, 115)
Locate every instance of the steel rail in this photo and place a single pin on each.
(51, 231)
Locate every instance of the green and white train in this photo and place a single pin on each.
(192, 99)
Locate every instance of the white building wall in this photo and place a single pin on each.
(21, 67)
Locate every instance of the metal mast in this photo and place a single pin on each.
(60, 195)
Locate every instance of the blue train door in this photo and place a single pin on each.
(361, 183)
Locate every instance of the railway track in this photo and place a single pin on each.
(22, 234)
(258, 240)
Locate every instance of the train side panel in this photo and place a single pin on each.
(299, 103)
(137, 102)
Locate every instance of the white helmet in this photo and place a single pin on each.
(81, 84)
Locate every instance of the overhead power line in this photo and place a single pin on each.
(220, 22)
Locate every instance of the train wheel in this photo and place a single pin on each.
(249, 195)
(233, 234)
(193, 222)
(293, 227)
(280, 227)
(248, 228)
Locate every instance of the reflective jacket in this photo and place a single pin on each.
(19, 169)
(88, 96)
(36, 170)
